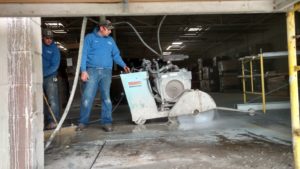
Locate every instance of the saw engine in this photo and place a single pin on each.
(168, 81)
(162, 89)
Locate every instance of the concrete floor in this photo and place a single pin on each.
(230, 140)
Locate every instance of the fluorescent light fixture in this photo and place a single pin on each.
(59, 31)
(177, 43)
(168, 48)
(54, 24)
(194, 29)
(167, 53)
(177, 47)
(60, 46)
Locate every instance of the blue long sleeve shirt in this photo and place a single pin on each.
(51, 59)
(100, 52)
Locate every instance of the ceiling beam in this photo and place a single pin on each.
(88, 1)
(136, 8)
(281, 5)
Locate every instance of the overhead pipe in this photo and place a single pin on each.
(158, 34)
(137, 33)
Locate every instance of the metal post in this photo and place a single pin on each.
(262, 76)
(244, 83)
(293, 80)
(251, 76)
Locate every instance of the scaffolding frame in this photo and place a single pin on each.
(293, 80)
(250, 60)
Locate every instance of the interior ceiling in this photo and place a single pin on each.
(213, 31)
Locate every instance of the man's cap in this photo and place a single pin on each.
(107, 24)
(47, 33)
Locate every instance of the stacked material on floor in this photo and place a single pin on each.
(209, 79)
(228, 72)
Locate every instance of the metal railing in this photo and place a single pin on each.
(250, 60)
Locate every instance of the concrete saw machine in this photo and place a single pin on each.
(163, 90)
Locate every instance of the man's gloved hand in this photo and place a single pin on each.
(84, 76)
(127, 69)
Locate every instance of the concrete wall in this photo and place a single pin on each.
(21, 104)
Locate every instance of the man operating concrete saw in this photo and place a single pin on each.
(99, 53)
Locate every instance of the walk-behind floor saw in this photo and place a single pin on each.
(162, 89)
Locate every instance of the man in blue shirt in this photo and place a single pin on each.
(51, 61)
(99, 53)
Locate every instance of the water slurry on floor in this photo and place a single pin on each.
(228, 140)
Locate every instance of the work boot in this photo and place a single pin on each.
(107, 127)
(80, 127)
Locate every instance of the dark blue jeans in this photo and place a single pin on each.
(50, 86)
(99, 79)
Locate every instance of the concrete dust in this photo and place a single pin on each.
(166, 153)
(63, 137)
(72, 156)
(229, 140)
(198, 120)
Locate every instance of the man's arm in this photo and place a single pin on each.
(86, 46)
(84, 75)
(116, 56)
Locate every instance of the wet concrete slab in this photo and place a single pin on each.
(192, 153)
(229, 140)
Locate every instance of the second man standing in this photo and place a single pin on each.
(99, 53)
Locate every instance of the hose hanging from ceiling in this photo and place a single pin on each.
(139, 36)
(83, 28)
(158, 34)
